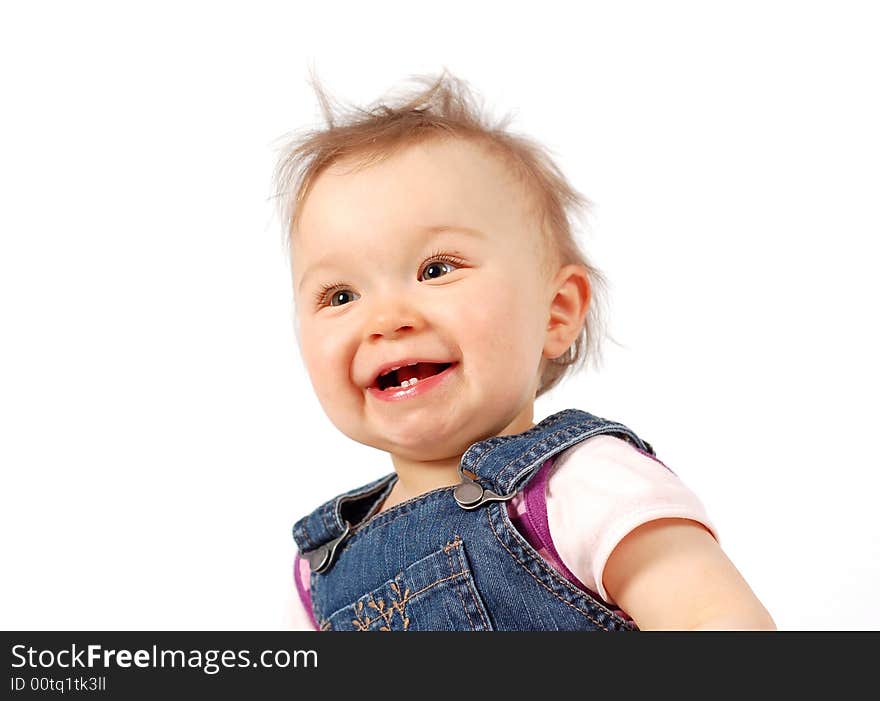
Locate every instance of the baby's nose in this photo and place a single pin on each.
(393, 318)
(388, 326)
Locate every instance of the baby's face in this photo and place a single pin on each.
(428, 257)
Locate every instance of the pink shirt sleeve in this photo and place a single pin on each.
(599, 491)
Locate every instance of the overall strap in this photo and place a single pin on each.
(506, 463)
(317, 534)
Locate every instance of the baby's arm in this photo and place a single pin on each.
(671, 573)
(633, 532)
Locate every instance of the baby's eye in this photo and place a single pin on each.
(437, 267)
(341, 297)
(334, 295)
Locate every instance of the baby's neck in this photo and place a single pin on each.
(415, 478)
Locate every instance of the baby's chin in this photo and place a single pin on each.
(419, 445)
(424, 433)
(424, 449)
(426, 453)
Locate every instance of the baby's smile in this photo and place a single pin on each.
(415, 379)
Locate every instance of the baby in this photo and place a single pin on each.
(439, 291)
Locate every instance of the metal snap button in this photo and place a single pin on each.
(468, 493)
(321, 558)
(318, 558)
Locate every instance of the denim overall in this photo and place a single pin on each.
(450, 559)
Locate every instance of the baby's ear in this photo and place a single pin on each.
(568, 308)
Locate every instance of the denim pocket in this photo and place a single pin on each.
(434, 593)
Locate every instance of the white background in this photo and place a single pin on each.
(158, 435)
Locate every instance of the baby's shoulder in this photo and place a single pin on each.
(612, 473)
(608, 452)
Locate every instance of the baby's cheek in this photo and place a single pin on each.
(321, 354)
(501, 329)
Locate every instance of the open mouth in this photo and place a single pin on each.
(408, 375)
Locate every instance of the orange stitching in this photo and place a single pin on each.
(508, 525)
(400, 604)
(363, 623)
(305, 531)
(370, 526)
(385, 614)
(449, 547)
(470, 586)
(542, 563)
(434, 584)
(521, 564)
(454, 543)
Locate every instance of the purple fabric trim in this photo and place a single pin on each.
(536, 529)
(654, 458)
(305, 596)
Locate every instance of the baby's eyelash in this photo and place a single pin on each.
(441, 256)
(323, 294)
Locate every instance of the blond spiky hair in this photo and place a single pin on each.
(445, 107)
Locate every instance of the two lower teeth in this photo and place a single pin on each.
(409, 383)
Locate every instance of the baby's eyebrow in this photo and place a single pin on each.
(425, 231)
(446, 227)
